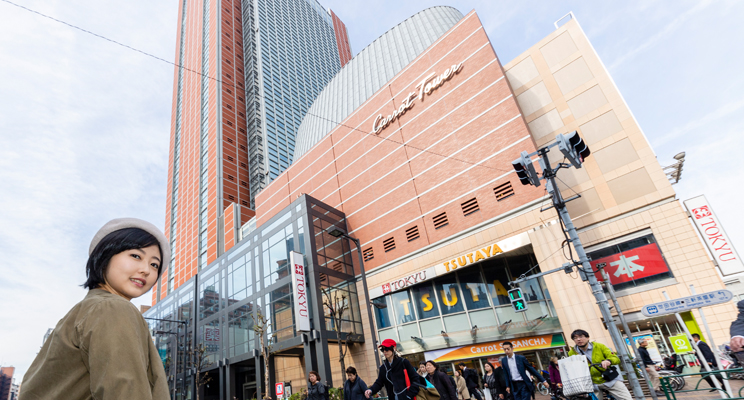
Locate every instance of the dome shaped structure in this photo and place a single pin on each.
(369, 70)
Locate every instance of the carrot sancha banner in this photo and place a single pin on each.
(494, 348)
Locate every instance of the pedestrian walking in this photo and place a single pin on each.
(461, 387)
(650, 366)
(494, 382)
(451, 378)
(316, 390)
(422, 369)
(471, 380)
(102, 348)
(354, 387)
(737, 329)
(710, 358)
(396, 375)
(555, 375)
(516, 369)
(597, 353)
(441, 381)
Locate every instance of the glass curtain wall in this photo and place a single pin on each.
(466, 306)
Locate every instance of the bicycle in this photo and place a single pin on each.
(676, 382)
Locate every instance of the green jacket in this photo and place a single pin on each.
(600, 353)
(101, 350)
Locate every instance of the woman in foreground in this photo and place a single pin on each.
(102, 348)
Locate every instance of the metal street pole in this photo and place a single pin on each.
(367, 301)
(597, 291)
(697, 349)
(626, 328)
(712, 345)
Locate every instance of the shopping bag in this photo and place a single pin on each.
(487, 394)
(575, 375)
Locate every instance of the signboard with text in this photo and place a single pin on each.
(681, 344)
(280, 389)
(630, 265)
(299, 291)
(494, 348)
(715, 238)
(683, 304)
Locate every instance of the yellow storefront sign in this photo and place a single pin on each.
(474, 257)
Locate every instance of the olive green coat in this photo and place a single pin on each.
(600, 353)
(102, 350)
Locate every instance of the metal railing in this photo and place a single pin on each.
(671, 394)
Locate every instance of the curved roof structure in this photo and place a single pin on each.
(369, 70)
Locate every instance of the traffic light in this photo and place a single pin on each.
(525, 170)
(519, 304)
(573, 147)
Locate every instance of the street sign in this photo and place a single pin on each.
(517, 300)
(681, 344)
(683, 304)
(280, 389)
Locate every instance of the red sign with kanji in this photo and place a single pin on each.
(630, 265)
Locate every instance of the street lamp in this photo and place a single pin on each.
(337, 233)
(674, 172)
(183, 361)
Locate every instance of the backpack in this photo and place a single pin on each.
(326, 394)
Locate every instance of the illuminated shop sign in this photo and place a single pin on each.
(494, 348)
(458, 261)
(424, 88)
(299, 291)
(641, 262)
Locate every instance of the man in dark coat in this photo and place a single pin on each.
(354, 387)
(471, 380)
(710, 359)
(650, 366)
(392, 375)
(516, 367)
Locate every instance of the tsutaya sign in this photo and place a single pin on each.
(715, 238)
(299, 291)
(425, 87)
(458, 261)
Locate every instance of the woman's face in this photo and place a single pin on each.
(132, 273)
(488, 368)
(313, 378)
(430, 368)
(457, 374)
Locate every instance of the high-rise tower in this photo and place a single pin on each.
(249, 70)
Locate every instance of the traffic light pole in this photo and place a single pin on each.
(560, 206)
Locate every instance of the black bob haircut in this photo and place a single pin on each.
(113, 244)
(579, 332)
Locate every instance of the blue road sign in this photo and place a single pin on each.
(683, 304)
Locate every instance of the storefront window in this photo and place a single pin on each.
(483, 318)
(473, 289)
(455, 323)
(383, 315)
(403, 307)
(525, 265)
(407, 332)
(426, 301)
(497, 281)
(450, 299)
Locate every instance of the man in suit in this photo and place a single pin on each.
(737, 330)
(471, 380)
(517, 380)
(710, 359)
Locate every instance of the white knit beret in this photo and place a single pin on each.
(123, 223)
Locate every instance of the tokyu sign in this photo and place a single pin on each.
(299, 291)
(713, 235)
(683, 304)
(424, 88)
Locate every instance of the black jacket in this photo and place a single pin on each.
(392, 377)
(442, 382)
(316, 391)
(737, 327)
(707, 353)
(355, 390)
(645, 357)
(496, 382)
(471, 378)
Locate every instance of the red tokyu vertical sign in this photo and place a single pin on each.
(714, 236)
(638, 263)
(299, 291)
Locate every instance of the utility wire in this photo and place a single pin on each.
(240, 88)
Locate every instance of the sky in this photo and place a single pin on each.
(85, 123)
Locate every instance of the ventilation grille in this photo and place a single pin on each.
(412, 233)
(388, 244)
(440, 221)
(503, 191)
(368, 254)
(470, 206)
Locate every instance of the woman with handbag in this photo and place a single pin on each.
(555, 375)
(441, 381)
(494, 382)
(462, 387)
(396, 375)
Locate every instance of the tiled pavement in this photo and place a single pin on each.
(704, 394)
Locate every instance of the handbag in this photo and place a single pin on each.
(610, 374)
(426, 391)
(575, 375)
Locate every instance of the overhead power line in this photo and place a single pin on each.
(477, 164)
